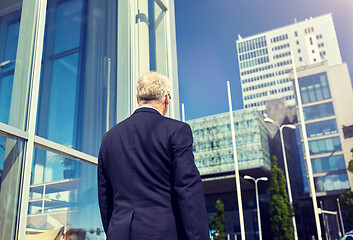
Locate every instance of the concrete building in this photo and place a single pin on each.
(213, 153)
(265, 59)
(67, 74)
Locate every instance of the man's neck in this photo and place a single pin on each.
(158, 108)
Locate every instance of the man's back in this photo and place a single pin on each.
(149, 187)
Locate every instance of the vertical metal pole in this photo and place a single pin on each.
(43, 198)
(183, 112)
(288, 181)
(258, 210)
(338, 226)
(323, 220)
(307, 153)
(237, 179)
(339, 210)
(108, 95)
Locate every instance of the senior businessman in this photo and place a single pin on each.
(148, 184)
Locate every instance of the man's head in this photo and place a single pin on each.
(153, 89)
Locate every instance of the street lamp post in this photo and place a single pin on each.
(236, 167)
(257, 200)
(306, 149)
(291, 126)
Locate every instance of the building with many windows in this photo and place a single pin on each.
(213, 151)
(265, 58)
(67, 75)
(325, 92)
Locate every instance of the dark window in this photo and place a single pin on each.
(314, 88)
(318, 111)
(327, 145)
(322, 128)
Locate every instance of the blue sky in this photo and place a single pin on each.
(206, 31)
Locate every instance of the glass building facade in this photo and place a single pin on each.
(326, 153)
(67, 75)
(213, 149)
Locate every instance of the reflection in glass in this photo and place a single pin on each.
(325, 145)
(63, 197)
(11, 161)
(68, 25)
(331, 163)
(9, 26)
(157, 38)
(321, 128)
(61, 110)
(73, 92)
(5, 97)
(318, 111)
(331, 182)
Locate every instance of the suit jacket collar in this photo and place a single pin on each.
(147, 109)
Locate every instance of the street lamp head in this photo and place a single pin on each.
(263, 178)
(248, 177)
(269, 120)
(290, 126)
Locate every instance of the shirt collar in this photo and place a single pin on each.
(147, 106)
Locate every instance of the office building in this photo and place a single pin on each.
(67, 75)
(265, 58)
(325, 92)
(213, 151)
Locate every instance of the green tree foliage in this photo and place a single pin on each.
(218, 221)
(346, 200)
(280, 211)
(350, 164)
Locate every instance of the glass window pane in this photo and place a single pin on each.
(68, 25)
(160, 38)
(322, 128)
(11, 161)
(62, 198)
(328, 183)
(74, 84)
(319, 186)
(61, 110)
(16, 57)
(325, 145)
(5, 97)
(316, 86)
(344, 181)
(13, 30)
(318, 111)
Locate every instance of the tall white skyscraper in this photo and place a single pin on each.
(265, 58)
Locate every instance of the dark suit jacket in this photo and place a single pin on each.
(148, 185)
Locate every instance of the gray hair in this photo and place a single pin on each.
(153, 86)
